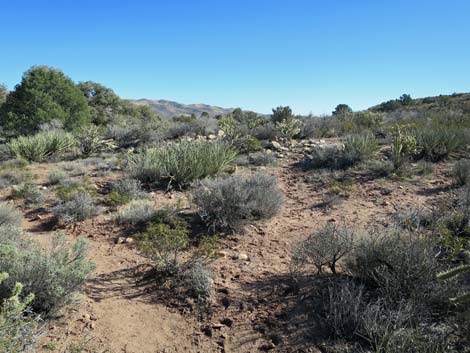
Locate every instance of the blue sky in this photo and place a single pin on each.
(255, 54)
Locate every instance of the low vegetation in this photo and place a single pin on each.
(228, 203)
(181, 163)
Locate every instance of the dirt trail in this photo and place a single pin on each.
(122, 316)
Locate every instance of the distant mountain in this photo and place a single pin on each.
(168, 109)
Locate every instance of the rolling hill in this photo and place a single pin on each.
(168, 109)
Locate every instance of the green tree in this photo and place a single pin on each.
(405, 99)
(102, 101)
(3, 93)
(342, 110)
(44, 94)
(281, 113)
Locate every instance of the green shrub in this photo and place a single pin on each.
(262, 159)
(380, 168)
(198, 278)
(163, 242)
(53, 275)
(325, 247)
(130, 189)
(135, 213)
(358, 148)
(69, 189)
(342, 307)
(29, 193)
(56, 176)
(9, 215)
(367, 120)
(399, 266)
(437, 142)
(182, 162)
(78, 208)
(461, 171)
(289, 128)
(230, 202)
(18, 331)
(45, 144)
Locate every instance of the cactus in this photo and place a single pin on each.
(461, 299)
(403, 145)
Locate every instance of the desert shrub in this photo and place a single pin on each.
(38, 147)
(330, 157)
(75, 168)
(343, 304)
(126, 190)
(396, 330)
(9, 215)
(163, 241)
(13, 175)
(78, 208)
(56, 176)
(435, 143)
(461, 171)
(135, 213)
(29, 193)
(5, 153)
(367, 120)
(399, 266)
(358, 148)
(68, 189)
(412, 218)
(248, 144)
(228, 203)
(380, 168)
(198, 278)
(19, 329)
(309, 127)
(181, 163)
(424, 168)
(90, 141)
(53, 274)
(265, 132)
(325, 247)
(262, 159)
(135, 133)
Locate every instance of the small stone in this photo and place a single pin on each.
(120, 240)
(221, 133)
(211, 137)
(129, 240)
(222, 253)
(243, 257)
(86, 317)
(276, 145)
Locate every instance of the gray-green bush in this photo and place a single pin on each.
(461, 171)
(181, 163)
(325, 247)
(136, 212)
(9, 215)
(229, 203)
(78, 208)
(53, 274)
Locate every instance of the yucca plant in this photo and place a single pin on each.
(38, 147)
(181, 163)
(90, 140)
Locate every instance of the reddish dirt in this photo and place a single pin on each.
(253, 308)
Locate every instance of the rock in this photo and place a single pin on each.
(129, 240)
(44, 188)
(120, 240)
(222, 253)
(211, 137)
(86, 317)
(276, 145)
(243, 257)
(221, 133)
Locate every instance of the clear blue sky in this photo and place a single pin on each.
(256, 54)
